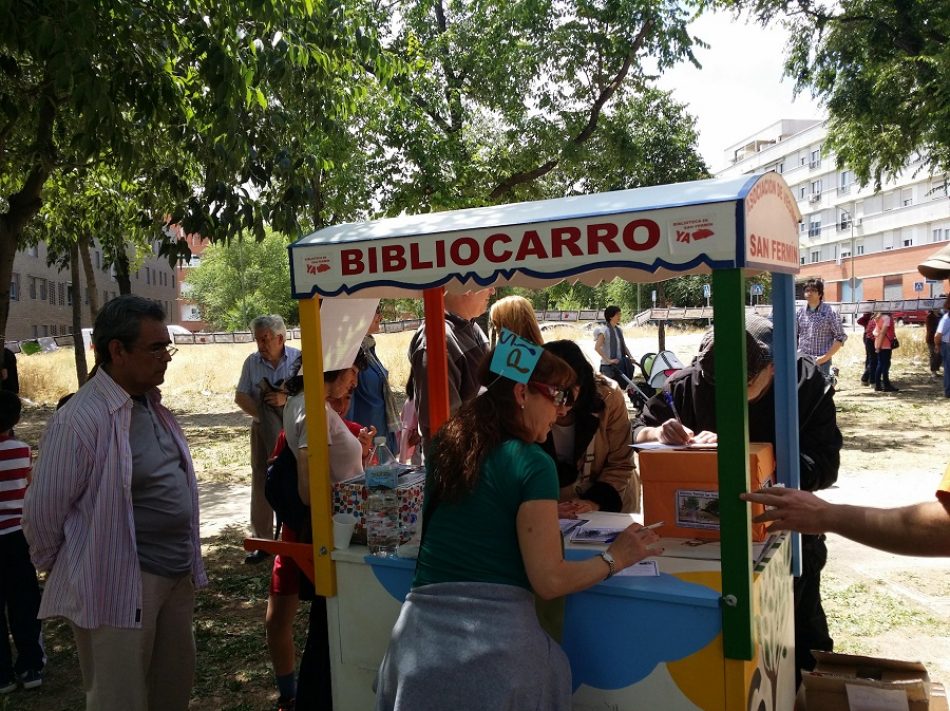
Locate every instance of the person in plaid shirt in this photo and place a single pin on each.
(820, 334)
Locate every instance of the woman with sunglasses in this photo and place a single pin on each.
(591, 442)
(468, 636)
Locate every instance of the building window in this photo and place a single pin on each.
(815, 158)
(42, 289)
(98, 260)
(814, 228)
(61, 293)
(52, 293)
(844, 219)
(33, 286)
(845, 180)
(801, 192)
(908, 242)
(907, 197)
(815, 255)
(15, 287)
(69, 294)
(893, 287)
(36, 331)
(33, 251)
(45, 329)
(148, 276)
(173, 281)
(845, 252)
(859, 249)
(941, 235)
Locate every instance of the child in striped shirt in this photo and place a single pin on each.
(19, 589)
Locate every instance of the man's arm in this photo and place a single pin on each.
(246, 403)
(920, 529)
(242, 394)
(829, 354)
(59, 480)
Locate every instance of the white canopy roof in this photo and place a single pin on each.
(646, 235)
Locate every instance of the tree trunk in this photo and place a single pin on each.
(121, 264)
(83, 246)
(78, 344)
(8, 244)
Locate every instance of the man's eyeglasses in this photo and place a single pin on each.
(161, 351)
(559, 396)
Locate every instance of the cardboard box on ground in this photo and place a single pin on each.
(681, 488)
(876, 683)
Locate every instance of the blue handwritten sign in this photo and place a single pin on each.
(515, 358)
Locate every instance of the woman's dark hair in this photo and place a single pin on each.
(588, 400)
(483, 423)
(610, 312)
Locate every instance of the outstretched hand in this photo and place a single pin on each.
(790, 509)
(633, 544)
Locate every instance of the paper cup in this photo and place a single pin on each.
(343, 525)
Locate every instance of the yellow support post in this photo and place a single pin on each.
(321, 504)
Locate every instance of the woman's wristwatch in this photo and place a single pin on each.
(609, 560)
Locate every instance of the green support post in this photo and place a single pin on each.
(732, 420)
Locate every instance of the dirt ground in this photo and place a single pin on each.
(896, 447)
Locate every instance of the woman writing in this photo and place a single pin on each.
(490, 538)
(591, 442)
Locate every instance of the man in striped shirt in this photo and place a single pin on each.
(112, 515)
(19, 589)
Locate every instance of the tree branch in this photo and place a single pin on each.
(528, 176)
(26, 202)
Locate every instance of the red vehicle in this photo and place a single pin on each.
(907, 317)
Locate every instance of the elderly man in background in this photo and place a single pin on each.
(260, 395)
(112, 516)
(465, 345)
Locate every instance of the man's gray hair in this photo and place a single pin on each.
(120, 320)
(273, 323)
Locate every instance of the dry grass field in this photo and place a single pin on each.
(895, 447)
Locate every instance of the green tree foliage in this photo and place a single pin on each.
(507, 92)
(202, 104)
(236, 282)
(883, 69)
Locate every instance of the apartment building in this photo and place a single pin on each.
(41, 296)
(188, 312)
(865, 243)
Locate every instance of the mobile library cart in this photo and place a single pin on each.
(708, 633)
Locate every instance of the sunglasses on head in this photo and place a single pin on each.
(559, 396)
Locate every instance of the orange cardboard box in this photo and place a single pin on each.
(681, 488)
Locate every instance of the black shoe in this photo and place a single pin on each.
(888, 388)
(878, 388)
(865, 381)
(32, 679)
(286, 704)
(255, 557)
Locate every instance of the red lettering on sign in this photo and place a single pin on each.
(490, 248)
(531, 246)
(351, 262)
(565, 239)
(468, 244)
(415, 260)
(604, 234)
(637, 228)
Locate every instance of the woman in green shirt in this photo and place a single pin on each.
(468, 636)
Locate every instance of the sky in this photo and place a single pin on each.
(740, 88)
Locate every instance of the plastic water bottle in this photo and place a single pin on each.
(382, 507)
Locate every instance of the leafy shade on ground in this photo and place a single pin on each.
(234, 672)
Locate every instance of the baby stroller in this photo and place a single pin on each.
(658, 367)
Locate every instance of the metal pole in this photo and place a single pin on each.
(854, 295)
